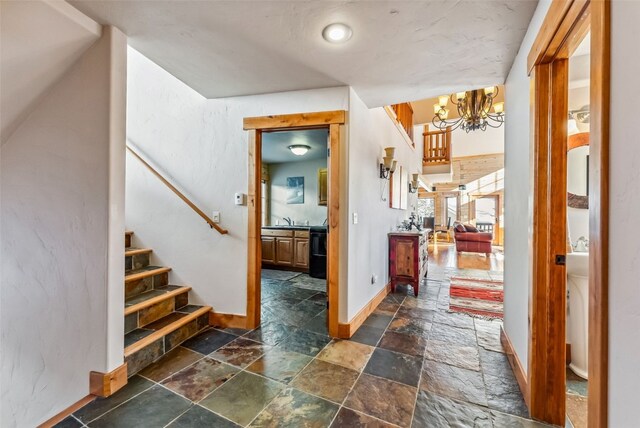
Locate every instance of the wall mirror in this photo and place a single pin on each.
(578, 170)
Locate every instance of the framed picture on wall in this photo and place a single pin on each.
(295, 190)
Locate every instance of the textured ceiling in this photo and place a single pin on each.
(275, 145)
(400, 50)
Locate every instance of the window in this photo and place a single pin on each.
(451, 209)
(426, 207)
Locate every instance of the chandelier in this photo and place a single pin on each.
(474, 108)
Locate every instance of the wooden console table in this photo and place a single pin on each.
(408, 258)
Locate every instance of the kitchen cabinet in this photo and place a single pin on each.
(408, 258)
(322, 187)
(286, 249)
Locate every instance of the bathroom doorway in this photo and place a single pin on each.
(557, 231)
(261, 130)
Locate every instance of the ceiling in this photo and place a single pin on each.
(400, 50)
(32, 60)
(275, 145)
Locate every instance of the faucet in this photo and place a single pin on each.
(324, 223)
(288, 220)
(581, 245)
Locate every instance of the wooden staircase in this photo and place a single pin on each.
(157, 316)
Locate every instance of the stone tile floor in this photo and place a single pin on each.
(576, 400)
(412, 363)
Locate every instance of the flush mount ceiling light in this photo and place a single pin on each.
(337, 33)
(474, 109)
(299, 149)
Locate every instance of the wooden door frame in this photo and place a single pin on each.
(334, 122)
(565, 25)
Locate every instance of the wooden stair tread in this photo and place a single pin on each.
(177, 321)
(145, 272)
(151, 297)
(133, 251)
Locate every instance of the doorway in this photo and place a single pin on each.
(562, 32)
(487, 216)
(331, 122)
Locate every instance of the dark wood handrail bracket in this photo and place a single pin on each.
(180, 195)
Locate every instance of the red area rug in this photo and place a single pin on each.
(475, 296)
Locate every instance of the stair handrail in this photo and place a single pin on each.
(437, 146)
(193, 206)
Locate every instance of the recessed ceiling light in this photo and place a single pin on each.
(299, 149)
(337, 33)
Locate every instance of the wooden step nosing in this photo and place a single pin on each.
(137, 251)
(147, 273)
(157, 299)
(159, 334)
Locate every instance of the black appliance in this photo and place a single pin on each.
(318, 252)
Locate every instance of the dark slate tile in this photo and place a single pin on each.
(170, 363)
(155, 407)
(305, 342)
(347, 418)
(378, 320)
(144, 296)
(208, 341)
(503, 394)
(411, 313)
(392, 365)
(390, 401)
(179, 335)
(147, 355)
(293, 408)
(453, 354)
(368, 335)
(198, 416)
(435, 411)
(454, 319)
(165, 321)
(329, 381)
(503, 420)
(453, 382)
(135, 385)
(404, 343)
(188, 309)
(410, 326)
(450, 334)
(200, 379)
(241, 352)
(235, 330)
(130, 322)
(271, 333)
(69, 422)
(495, 363)
(317, 324)
(319, 299)
(279, 364)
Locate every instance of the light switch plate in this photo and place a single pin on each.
(355, 218)
(216, 217)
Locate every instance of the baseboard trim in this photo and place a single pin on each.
(66, 412)
(106, 384)
(345, 331)
(217, 319)
(516, 365)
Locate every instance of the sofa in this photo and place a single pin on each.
(469, 239)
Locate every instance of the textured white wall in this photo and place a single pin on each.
(518, 194)
(62, 239)
(477, 143)
(200, 146)
(624, 206)
(310, 210)
(370, 131)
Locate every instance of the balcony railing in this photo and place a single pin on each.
(404, 115)
(437, 146)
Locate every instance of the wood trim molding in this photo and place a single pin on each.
(297, 120)
(51, 422)
(515, 364)
(345, 331)
(217, 319)
(334, 121)
(106, 384)
(599, 215)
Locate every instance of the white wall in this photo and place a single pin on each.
(477, 143)
(370, 131)
(62, 239)
(200, 145)
(309, 210)
(624, 206)
(518, 194)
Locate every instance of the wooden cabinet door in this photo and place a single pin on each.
(405, 261)
(268, 250)
(301, 259)
(284, 251)
(322, 186)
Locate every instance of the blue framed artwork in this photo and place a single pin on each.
(295, 190)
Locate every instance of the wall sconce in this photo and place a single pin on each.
(389, 164)
(413, 184)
